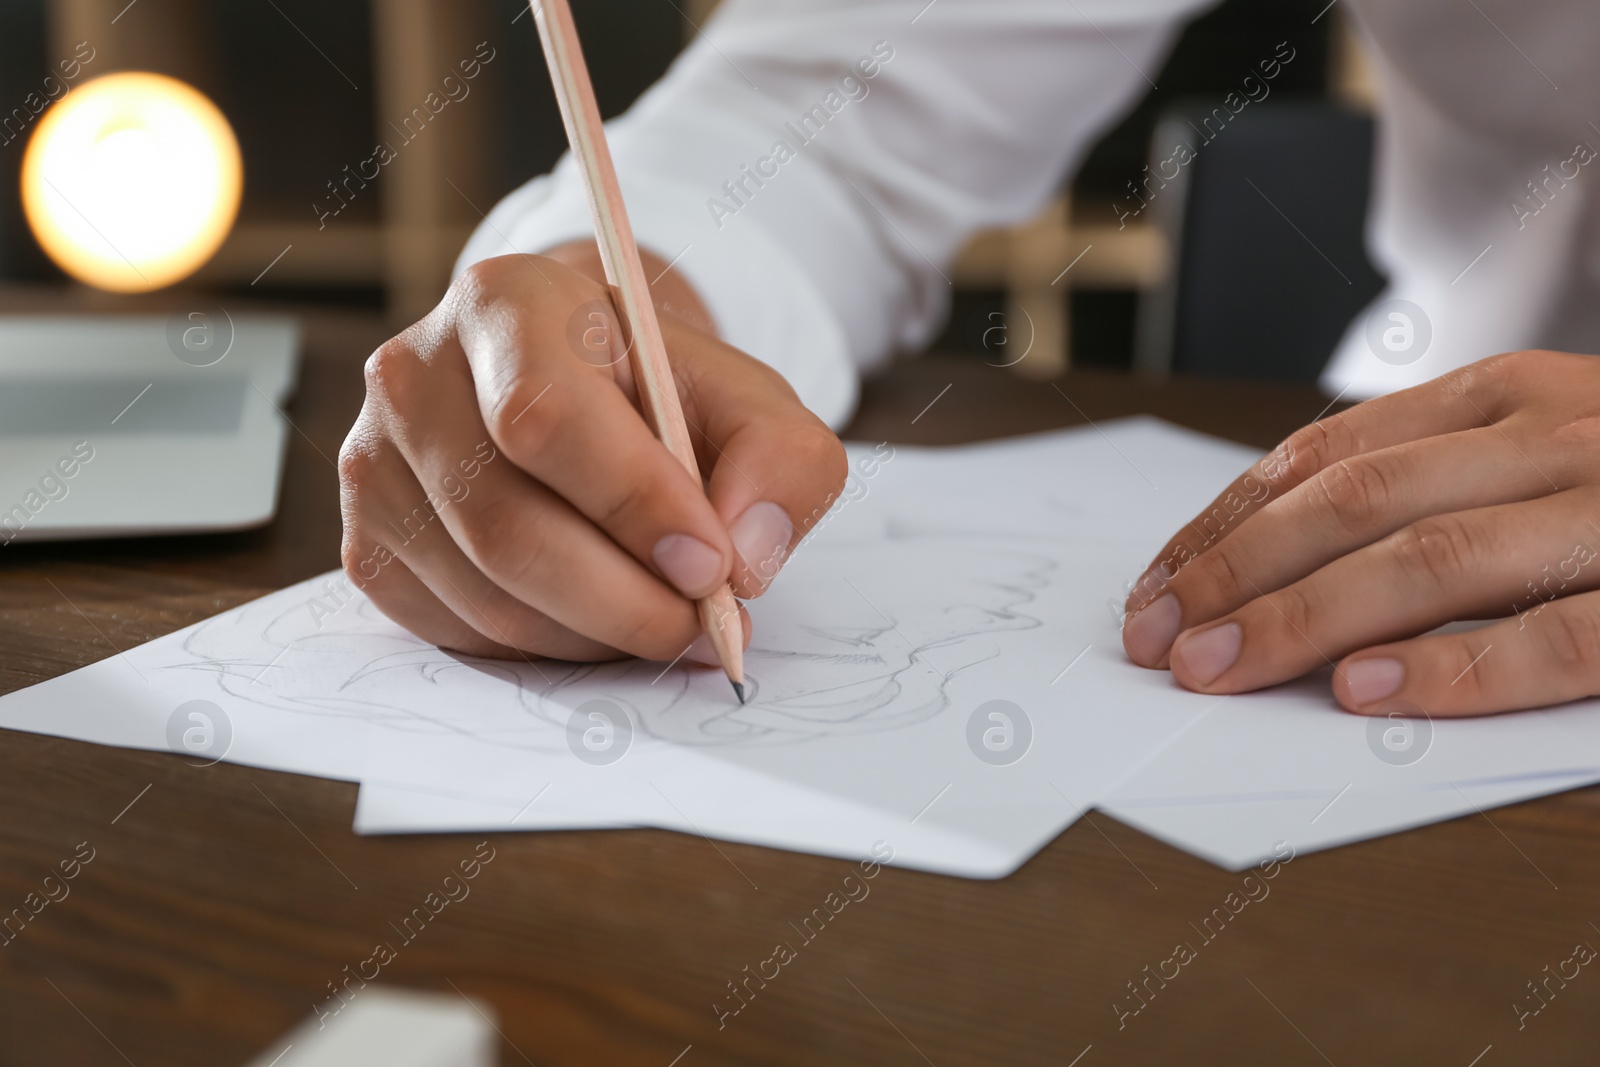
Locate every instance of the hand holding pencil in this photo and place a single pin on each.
(630, 293)
(502, 496)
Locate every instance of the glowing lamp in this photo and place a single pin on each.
(131, 181)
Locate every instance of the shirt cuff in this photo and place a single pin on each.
(759, 298)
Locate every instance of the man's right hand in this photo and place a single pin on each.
(503, 495)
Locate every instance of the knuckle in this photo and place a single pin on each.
(362, 558)
(357, 463)
(1513, 364)
(529, 416)
(352, 555)
(1224, 572)
(1291, 608)
(1461, 659)
(474, 275)
(389, 371)
(630, 498)
(498, 538)
(359, 467)
(1510, 374)
(1441, 548)
(1307, 451)
(478, 279)
(1573, 638)
(1579, 436)
(499, 281)
(1358, 494)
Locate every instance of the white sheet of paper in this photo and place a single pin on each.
(1239, 831)
(864, 683)
(911, 607)
(792, 818)
(944, 581)
(1258, 767)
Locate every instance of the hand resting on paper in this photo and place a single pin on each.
(503, 496)
(1473, 496)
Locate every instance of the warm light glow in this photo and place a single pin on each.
(131, 181)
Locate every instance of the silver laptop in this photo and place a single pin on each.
(120, 425)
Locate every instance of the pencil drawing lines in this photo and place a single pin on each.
(825, 663)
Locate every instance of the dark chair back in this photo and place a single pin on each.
(1267, 220)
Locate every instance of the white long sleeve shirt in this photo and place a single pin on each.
(812, 166)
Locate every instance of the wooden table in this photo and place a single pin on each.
(213, 917)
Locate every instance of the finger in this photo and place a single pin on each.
(1546, 656)
(551, 404)
(404, 598)
(458, 621)
(775, 468)
(388, 515)
(465, 590)
(525, 538)
(522, 631)
(1447, 567)
(1471, 397)
(1345, 506)
(531, 544)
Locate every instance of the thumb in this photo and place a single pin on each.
(774, 467)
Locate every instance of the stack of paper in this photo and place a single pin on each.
(938, 671)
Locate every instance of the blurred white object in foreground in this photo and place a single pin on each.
(391, 1028)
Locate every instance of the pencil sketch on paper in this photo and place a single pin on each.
(854, 638)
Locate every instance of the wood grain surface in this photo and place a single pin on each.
(220, 906)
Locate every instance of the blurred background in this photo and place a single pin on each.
(310, 85)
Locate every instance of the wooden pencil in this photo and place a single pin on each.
(630, 292)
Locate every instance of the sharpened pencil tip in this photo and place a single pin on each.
(738, 689)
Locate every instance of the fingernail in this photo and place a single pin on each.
(1369, 680)
(688, 563)
(1207, 654)
(1149, 634)
(762, 535)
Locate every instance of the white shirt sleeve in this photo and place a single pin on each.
(812, 167)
